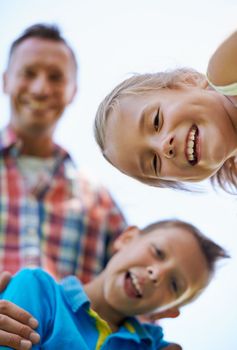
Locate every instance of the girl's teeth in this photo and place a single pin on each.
(190, 144)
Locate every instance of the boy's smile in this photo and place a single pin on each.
(154, 271)
(132, 286)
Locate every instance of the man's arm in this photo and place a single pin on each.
(16, 325)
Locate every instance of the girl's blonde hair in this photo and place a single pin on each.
(140, 84)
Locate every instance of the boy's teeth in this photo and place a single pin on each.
(136, 284)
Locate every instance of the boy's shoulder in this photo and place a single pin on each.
(33, 277)
(33, 272)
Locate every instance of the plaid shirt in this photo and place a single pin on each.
(65, 224)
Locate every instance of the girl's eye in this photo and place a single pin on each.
(157, 120)
(155, 163)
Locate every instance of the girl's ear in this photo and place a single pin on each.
(204, 84)
(125, 237)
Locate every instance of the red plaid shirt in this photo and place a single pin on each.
(65, 224)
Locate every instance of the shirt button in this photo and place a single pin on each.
(32, 231)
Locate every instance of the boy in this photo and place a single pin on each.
(159, 268)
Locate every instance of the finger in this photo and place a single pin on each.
(14, 341)
(12, 326)
(9, 309)
(5, 278)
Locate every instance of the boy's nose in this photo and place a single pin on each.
(154, 273)
(167, 148)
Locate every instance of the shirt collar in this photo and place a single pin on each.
(9, 138)
(74, 293)
(131, 329)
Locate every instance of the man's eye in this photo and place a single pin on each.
(55, 77)
(28, 73)
(157, 120)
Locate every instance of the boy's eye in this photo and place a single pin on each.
(157, 120)
(159, 253)
(174, 285)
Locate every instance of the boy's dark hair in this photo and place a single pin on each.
(211, 251)
(42, 31)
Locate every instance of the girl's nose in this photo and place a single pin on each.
(167, 148)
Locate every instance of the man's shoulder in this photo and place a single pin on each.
(91, 184)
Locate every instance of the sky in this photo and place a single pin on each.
(113, 39)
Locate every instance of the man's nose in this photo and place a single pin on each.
(40, 85)
(167, 147)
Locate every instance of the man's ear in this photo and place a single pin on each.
(126, 236)
(73, 94)
(4, 82)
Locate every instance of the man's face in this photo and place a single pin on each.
(40, 81)
(170, 134)
(157, 270)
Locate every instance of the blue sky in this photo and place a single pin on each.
(112, 39)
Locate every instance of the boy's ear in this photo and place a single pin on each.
(126, 236)
(170, 313)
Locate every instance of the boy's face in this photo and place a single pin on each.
(40, 81)
(156, 270)
(177, 135)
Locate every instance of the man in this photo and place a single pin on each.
(50, 216)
